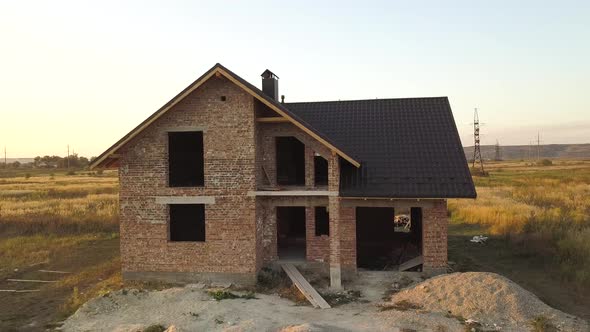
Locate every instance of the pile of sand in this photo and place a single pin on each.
(487, 298)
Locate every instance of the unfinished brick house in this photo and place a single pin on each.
(225, 179)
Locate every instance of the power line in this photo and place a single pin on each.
(538, 146)
(497, 156)
(476, 147)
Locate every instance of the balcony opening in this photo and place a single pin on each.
(290, 153)
(320, 171)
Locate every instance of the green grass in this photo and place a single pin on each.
(530, 263)
(542, 324)
(219, 295)
(547, 208)
(54, 221)
(538, 220)
(23, 251)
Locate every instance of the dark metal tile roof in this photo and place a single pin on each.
(408, 148)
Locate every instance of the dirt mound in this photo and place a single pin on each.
(487, 298)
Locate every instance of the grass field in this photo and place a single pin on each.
(53, 221)
(538, 218)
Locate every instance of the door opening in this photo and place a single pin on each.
(291, 232)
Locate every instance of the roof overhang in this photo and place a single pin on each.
(110, 157)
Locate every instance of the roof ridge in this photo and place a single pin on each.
(374, 99)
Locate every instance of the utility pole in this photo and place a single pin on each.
(68, 156)
(538, 146)
(497, 156)
(476, 147)
(5, 164)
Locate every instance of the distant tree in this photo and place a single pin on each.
(16, 164)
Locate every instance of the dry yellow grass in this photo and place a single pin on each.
(90, 283)
(548, 205)
(65, 222)
(58, 204)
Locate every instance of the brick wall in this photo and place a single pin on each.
(434, 236)
(266, 161)
(317, 247)
(229, 163)
(240, 229)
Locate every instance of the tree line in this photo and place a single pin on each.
(73, 161)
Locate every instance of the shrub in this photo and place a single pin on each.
(155, 328)
(227, 295)
(545, 162)
(542, 324)
(403, 305)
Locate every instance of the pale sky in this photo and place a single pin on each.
(85, 73)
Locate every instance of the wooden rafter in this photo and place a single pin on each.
(218, 71)
(272, 119)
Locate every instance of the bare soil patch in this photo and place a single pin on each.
(424, 306)
(34, 311)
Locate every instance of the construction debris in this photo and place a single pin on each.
(51, 271)
(412, 263)
(479, 239)
(304, 287)
(30, 280)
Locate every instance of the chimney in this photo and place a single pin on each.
(270, 84)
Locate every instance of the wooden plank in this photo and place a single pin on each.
(411, 263)
(19, 290)
(272, 119)
(31, 280)
(299, 282)
(52, 271)
(266, 175)
(304, 287)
